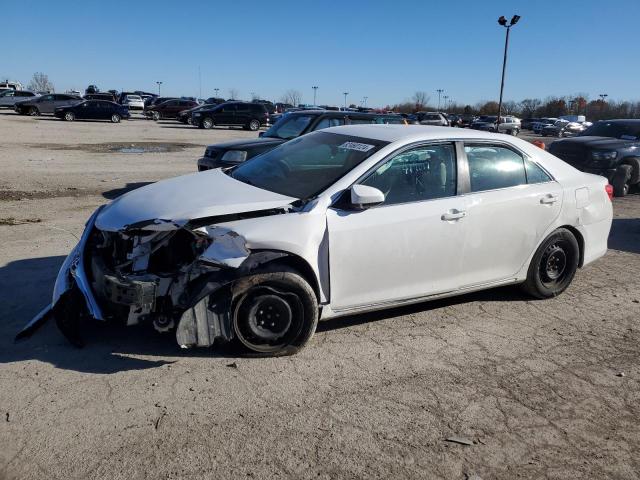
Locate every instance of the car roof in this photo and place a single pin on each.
(409, 133)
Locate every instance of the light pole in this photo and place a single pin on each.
(503, 21)
(603, 96)
(315, 91)
(439, 90)
(216, 90)
(365, 101)
(445, 102)
(159, 83)
(345, 99)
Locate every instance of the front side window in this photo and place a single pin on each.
(307, 165)
(228, 108)
(493, 166)
(329, 122)
(422, 173)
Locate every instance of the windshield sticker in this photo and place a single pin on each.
(628, 137)
(360, 147)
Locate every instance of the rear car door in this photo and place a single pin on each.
(408, 247)
(225, 114)
(511, 203)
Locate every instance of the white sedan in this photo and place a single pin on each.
(344, 220)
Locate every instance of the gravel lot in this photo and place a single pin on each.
(540, 389)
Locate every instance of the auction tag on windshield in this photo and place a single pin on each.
(360, 147)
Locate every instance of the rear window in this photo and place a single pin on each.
(627, 131)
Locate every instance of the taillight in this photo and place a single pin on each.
(609, 189)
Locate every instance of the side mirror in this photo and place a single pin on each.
(363, 196)
(261, 134)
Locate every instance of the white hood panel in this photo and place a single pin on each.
(180, 199)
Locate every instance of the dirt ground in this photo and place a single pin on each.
(538, 389)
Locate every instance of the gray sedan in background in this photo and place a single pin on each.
(8, 98)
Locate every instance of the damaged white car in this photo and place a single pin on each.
(344, 220)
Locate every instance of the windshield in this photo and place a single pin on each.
(308, 165)
(627, 131)
(289, 126)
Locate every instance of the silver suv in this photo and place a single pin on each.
(508, 125)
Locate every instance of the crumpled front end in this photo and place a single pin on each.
(157, 272)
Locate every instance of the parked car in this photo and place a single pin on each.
(527, 123)
(432, 118)
(151, 101)
(91, 89)
(109, 97)
(610, 148)
(258, 254)
(214, 101)
(12, 85)
(45, 103)
(134, 102)
(251, 116)
(543, 122)
(508, 125)
(184, 116)
(93, 110)
(169, 109)
(8, 98)
(563, 128)
(290, 126)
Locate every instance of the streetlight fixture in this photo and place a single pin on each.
(345, 99)
(603, 96)
(503, 22)
(439, 90)
(216, 90)
(365, 101)
(445, 102)
(159, 83)
(315, 91)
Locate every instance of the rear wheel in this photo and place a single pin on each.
(189, 121)
(69, 117)
(554, 265)
(274, 313)
(207, 123)
(621, 180)
(155, 116)
(115, 118)
(34, 112)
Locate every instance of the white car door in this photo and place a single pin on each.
(409, 246)
(512, 202)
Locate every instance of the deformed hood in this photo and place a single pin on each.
(180, 199)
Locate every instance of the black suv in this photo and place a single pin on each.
(610, 148)
(251, 116)
(290, 126)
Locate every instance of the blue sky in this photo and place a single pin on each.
(385, 50)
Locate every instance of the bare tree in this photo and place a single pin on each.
(420, 99)
(509, 107)
(528, 106)
(233, 93)
(293, 97)
(40, 83)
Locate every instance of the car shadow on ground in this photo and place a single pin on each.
(116, 192)
(26, 285)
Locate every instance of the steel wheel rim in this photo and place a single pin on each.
(254, 125)
(207, 123)
(68, 116)
(115, 118)
(554, 264)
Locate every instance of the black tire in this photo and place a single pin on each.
(553, 266)
(621, 179)
(634, 162)
(34, 112)
(260, 298)
(155, 116)
(69, 117)
(253, 125)
(207, 123)
(115, 118)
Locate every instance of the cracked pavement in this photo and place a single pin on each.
(543, 389)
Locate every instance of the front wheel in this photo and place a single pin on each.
(274, 313)
(253, 125)
(515, 132)
(69, 117)
(621, 180)
(554, 265)
(155, 116)
(34, 112)
(115, 118)
(207, 123)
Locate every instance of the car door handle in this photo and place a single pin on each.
(549, 199)
(453, 214)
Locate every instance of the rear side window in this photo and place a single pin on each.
(535, 174)
(492, 167)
